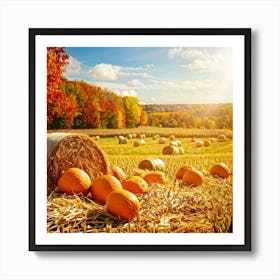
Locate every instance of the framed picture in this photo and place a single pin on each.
(140, 139)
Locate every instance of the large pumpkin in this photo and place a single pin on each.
(118, 173)
(156, 177)
(193, 177)
(181, 171)
(221, 170)
(103, 186)
(135, 184)
(123, 204)
(74, 181)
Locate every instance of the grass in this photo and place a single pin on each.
(174, 207)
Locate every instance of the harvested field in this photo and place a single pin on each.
(171, 208)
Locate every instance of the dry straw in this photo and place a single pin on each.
(171, 208)
(73, 150)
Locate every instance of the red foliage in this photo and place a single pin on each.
(58, 103)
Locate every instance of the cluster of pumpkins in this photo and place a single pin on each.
(194, 177)
(119, 192)
(115, 190)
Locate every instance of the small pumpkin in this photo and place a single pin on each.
(181, 171)
(221, 170)
(193, 177)
(123, 204)
(74, 181)
(118, 173)
(103, 186)
(135, 184)
(156, 177)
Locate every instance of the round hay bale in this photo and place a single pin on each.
(162, 140)
(170, 150)
(129, 136)
(222, 138)
(207, 143)
(179, 143)
(155, 137)
(173, 143)
(66, 150)
(181, 150)
(171, 137)
(123, 140)
(141, 136)
(154, 164)
(199, 144)
(138, 143)
(212, 140)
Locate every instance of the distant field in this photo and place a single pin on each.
(151, 131)
(128, 157)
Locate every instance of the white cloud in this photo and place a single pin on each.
(134, 83)
(174, 52)
(105, 72)
(200, 59)
(74, 67)
(129, 92)
(109, 72)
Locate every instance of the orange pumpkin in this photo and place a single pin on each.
(193, 177)
(135, 184)
(74, 181)
(123, 204)
(221, 170)
(156, 177)
(103, 186)
(118, 173)
(181, 171)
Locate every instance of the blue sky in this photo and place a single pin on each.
(156, 74)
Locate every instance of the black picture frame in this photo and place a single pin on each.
(33, 165)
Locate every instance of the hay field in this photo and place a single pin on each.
(174, 207)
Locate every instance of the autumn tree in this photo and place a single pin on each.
(143, 118)
(132, 111)
(61, 108)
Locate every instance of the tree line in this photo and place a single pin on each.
(78, 104)
(190, 115)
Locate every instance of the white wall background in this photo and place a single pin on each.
(16, 262)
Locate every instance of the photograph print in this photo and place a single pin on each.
(142, 139)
